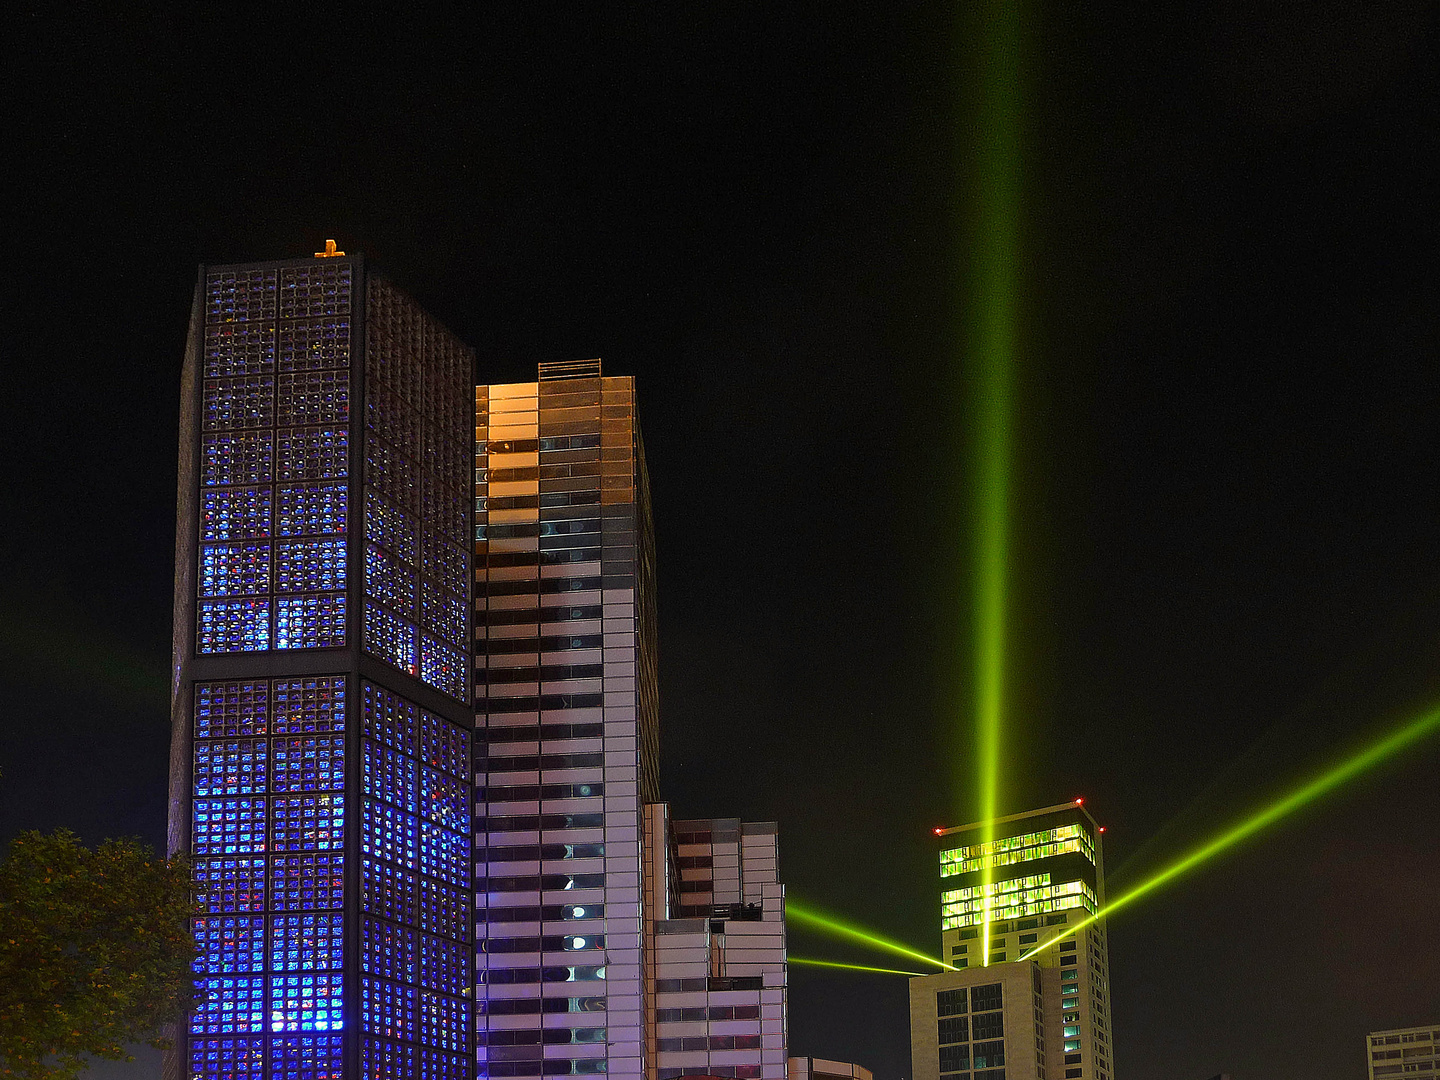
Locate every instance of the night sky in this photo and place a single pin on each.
(1228, 531)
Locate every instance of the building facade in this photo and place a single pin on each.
(321, 705)
(566, 735)
(718, 980)
(1403, 1051)
(1017, 892)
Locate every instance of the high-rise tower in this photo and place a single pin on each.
(1046, 1016)
(321, 708)
(566, 728)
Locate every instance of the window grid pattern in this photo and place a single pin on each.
(309, 764)
(227, 1059)
(443, 800)
(269, 878)
(230, 885)
(415, 931)
(381, 1059)
(308, 822)
(311, 510)
(314, 397)
(308, 942)
(309, 565)
(235, 513)
(229, 767)
(387, 1009)
(259, 427)
(307, 1057)
(307, 1002)
(232, 1005)
(418, 427)
(438, 1065)
(387, 950)
(230, 943)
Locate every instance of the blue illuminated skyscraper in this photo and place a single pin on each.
(320, 756)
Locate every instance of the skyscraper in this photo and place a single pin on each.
(608, 939)
(566, 723)
(321, 709)
(999, 1015)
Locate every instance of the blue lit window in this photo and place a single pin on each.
(387, 833)
(443, 613)
(444, 855)
(309, 565)
(228, 826)
(446, 564)
(387, 891)
(310, 622)
(443, 910)
(389, 580)
(445, 965)
(313, 453)
(442, 667)
(313, 763)
(235, 514)
(311, 510)
(388, 775)
(229, 767)
(387, 951)
(308, 822)
(382, 1060)
(307, 882)
(438, 1065)
(390, 719)
(239, 350)
(239, 295)
(311, 705)
(442, 1021)
(308, 942)
(244, 402)
(444, 745)
(227, 1059)
(236, 457)
(387, 1009)
(315, 343)
(314, 397)
(233, 1005)
(444, 800)
(232, 708)
(234, 569)
(390, 639)
(226, 885)
(307, 1057)
(233, 626)
(389, 527)
(306, 1002)
(230, 944)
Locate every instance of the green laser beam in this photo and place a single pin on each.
(1327, 781)
(993, 330)
(847, 967)
(807, 916)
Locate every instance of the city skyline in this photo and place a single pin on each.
(1223, 516)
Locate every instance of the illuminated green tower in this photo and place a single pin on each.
(1016, 883)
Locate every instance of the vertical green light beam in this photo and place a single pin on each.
(992, 346)
(1359, 762)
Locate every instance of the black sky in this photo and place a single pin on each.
(1229, 537)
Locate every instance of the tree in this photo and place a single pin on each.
(96, 951)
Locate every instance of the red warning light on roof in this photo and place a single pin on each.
(1102, 828)
(938, 831)
(1079, 802)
